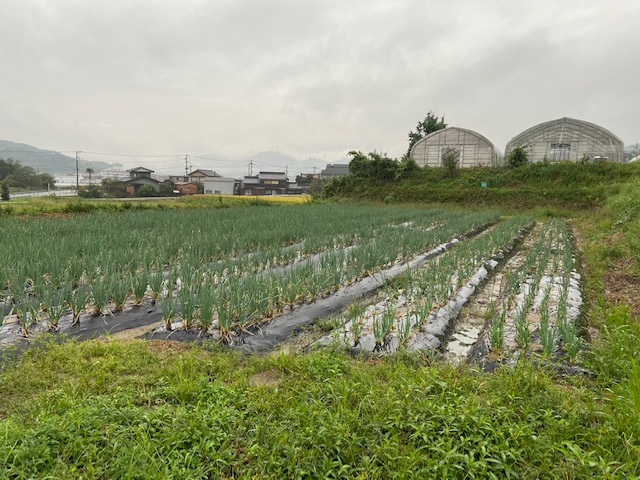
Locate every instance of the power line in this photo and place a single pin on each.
(217, 160)
(130, 155)
(266, 164)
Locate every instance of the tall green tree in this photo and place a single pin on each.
(113, 188)
(430, 124)
(6, 196)
(20, 176)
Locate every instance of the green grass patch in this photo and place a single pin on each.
(106, 409)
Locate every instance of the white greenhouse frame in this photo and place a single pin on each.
(568, 139)
(474, 149)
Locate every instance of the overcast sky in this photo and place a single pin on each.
(307, 78)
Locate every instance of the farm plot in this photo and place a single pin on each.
(214, 271)
(540, 300)
(512, 296)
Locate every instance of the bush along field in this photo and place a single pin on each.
(401, 314)
(560, 186)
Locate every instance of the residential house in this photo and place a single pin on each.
(294, 189)
(335, 170)
(302, 182)
(138, 177)
(179, 178)
(265, 183)
(199, 176)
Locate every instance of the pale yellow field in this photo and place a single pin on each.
(268, 198)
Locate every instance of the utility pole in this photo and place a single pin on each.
(186, 166)
(250, 168)
(77, 171)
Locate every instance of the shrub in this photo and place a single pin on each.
(92, 191)
(147, 191)
(113, 188)
(450, 160)
(518, 157)
(79, 206)
(5, 192)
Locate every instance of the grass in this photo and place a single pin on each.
(196, 413)
(556, 188)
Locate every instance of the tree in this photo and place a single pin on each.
(113, 188)
(360, 165)
(450, 159)
(316, 186)
(518, 157)
(90, 172)
(45, 180)
(373, 166)
(167, 187)
(91, 191)
(430, 124)
(146, 191)
(20, 176)
(6, 196)
(407, 167)
(305, 179)
(7, 167)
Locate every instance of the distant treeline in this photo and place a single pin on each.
(19, 176)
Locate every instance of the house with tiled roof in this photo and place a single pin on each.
(138, 177)
(335, 170)
(199, 175)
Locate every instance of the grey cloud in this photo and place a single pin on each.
(321, 78)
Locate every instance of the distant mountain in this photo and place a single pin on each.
(46, 161)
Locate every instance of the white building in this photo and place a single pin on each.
(219, 185)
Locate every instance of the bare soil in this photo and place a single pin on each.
(622, 285)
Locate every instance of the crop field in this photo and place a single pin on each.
(529, 294)
(228, 274)
(363, 319)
